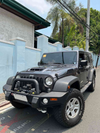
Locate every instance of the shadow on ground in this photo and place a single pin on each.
(86, 95)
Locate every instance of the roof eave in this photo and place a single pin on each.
(23, 12)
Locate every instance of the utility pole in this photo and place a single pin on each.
(88, 23)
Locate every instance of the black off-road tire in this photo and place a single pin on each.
(18, 105)
(92, 86)
(59, 112)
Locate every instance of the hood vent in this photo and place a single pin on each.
(36, 69)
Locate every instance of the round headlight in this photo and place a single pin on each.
(18, 77)
(49, 81)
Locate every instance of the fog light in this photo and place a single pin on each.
(45, 101)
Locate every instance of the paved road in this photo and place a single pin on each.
(29, 120)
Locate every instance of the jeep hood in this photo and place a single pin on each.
(51, 70)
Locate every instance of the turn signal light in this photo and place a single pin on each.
(68, 87)
(53, 99)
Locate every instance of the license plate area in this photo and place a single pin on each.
(20, 97)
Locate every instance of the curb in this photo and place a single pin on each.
(4, 103)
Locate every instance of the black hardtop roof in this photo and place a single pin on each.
(78, 51)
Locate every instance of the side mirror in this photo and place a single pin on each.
(38, 63)
(83, 63)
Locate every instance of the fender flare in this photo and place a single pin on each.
(92, 71)
(10, 80)
(61, 85)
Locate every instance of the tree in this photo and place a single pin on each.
(54, 16)
(52, 1)
(74, 38)
(95, 26)
(59, 20)
(69, 31)
(62, 21)
(71, 3)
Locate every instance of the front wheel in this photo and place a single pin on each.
(71, 112)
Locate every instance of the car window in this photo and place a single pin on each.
(87, 58)
(81, 57)
(51, 58)
(70, 57)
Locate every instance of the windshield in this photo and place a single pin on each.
(59, 58)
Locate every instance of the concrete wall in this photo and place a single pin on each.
(15, 56)
(7, 63)
(12, 26)
(95, 59)
(32, 57)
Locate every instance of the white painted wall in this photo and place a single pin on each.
(12, 26)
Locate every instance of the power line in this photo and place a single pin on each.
(66, 6)
(80, 19)
(74, 14)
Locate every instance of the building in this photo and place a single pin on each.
(18, 21)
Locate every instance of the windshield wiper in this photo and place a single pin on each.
(50, 63)
(43, 64)
(57, 63)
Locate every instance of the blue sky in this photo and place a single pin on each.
(41, 7)
(95, 4)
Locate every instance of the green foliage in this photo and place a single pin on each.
(70, 36)
(54, 15)
(59, 19)
(69, 31)
(95, 26)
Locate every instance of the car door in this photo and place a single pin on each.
(82, 71)
(88, 67)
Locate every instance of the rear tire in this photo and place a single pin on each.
(18, 105)
(70, 113)
(92, 86)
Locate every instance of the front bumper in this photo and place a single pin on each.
(35, 101)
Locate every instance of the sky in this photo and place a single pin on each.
(41, 7)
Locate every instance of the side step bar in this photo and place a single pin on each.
(85, 87)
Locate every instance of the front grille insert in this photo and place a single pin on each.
(39, 80)
(26, 86)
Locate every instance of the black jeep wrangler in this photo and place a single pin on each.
(57, 83)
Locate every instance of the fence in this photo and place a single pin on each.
(15, 57)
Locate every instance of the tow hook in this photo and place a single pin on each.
(43, 111)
